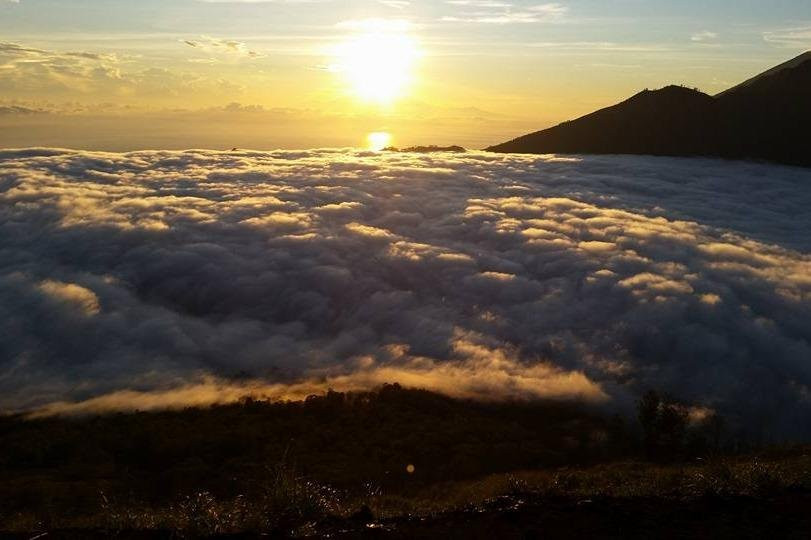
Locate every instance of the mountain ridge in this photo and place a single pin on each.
(762, 119)
(794, 62)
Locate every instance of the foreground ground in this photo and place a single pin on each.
(394, 463)
(527, 517)
(780, 512)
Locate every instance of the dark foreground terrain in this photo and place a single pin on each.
(770, 511)
(527, 517)
(395, 463)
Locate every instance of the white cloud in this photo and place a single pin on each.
(798, 36)
(24, 67)
(396, 4)
(218, 45)
(35, 73)
(704, 36)
(495, 12)
(264, 1)
(171, 278)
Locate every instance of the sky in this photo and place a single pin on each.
(123, 75)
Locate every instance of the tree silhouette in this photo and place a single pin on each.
(664, 426)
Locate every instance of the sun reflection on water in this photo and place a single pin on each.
(378, 140)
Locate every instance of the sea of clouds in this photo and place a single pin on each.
(162, 279)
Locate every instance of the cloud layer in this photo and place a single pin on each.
(166, 278)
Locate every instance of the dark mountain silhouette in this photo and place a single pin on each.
(766, 118)
(427, 149)
(793, 63)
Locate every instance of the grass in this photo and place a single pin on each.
(291, 468)
(749, 476)
(293, 505)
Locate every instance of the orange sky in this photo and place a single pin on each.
(264, 74)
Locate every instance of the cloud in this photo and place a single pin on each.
(263, 1)
(34, 73)
(82, 300)
(798, 36)
(495, 12)
(23, 67)
(704, 36)
(218, 45)
(20, 110)
(156, 279)
(396, 4)
(121, 127)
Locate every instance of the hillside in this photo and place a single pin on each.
(761, 119)
(769, 117)
(394, 463)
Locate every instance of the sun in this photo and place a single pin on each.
(378, 140)
(378, 61)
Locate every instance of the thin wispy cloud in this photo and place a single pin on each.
(219, 45)
(264, 1)
(704, 36)
(598, 46)
(799, 36)
(396, 4)
(486, 12)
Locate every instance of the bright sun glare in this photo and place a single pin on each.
(378, 140)
(378, 61)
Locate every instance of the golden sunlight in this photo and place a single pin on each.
(378, 140)
(378, 61)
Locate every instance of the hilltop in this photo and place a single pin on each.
(763, 118)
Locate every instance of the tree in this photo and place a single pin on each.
(664, 425)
